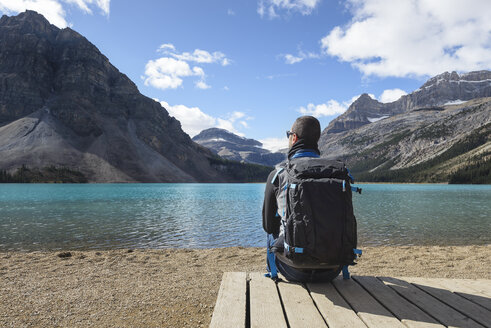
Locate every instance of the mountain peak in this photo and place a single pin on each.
(364, 99)
(365, 96)
(218, 134)
(454, 77)
(439, 90)
(31, 14)
(28, 21)
(446, 76)
(233, 147)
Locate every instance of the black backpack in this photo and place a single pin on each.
(314, 202)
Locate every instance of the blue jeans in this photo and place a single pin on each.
(292, 274)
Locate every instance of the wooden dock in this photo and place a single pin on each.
(251, 300)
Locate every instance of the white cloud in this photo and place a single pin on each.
(236, 115)
(274, 144)
(270, 8)
(166, 47)
(290, 59)
(168, 72)
(391, 95)
(194, 120)
(227, 125)
(275, 76)
(332, 107)
(202, 56)
(198, 55)
(413, 37)
(85, 5)
(230, 12)
(198, 71)
(53, 10)
(104, 5)
(233, 119)
(225, 62)
(202, 85)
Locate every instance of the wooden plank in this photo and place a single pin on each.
(476, 312)
(483, 287)
(367, 308)
(334, 309)
(408, 313)
(437, 309)
(483, 301)
(265, 304)
(478, 291)
(299, 307)
(230, 308)
(459, 286)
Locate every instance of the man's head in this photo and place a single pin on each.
(306, 128)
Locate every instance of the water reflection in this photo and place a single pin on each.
(34, 217)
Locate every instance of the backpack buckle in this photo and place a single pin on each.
(298, 250)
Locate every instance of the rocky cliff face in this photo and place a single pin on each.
(437, 91)
(233, 147)
(62, 103)
(430, 144)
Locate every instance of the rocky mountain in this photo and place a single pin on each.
(233, 147)
(63, 104)
(442, 89)
(449, 143)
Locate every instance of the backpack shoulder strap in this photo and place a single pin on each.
(278, 170)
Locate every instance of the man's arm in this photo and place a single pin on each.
(271, 223)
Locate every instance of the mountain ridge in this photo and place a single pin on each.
(63, 104)
(437, 91)
(432, 144)
(233, 147)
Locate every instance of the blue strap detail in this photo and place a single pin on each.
(350, 176)
(273, 272)
(290, 249)
(286, 204)
(276, 175)
(345, 272)
(305, 153)
(344, 185)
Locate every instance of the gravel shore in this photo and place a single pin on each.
(175, 287)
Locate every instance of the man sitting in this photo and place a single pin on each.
(280, 201)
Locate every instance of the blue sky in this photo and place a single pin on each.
(253, 66)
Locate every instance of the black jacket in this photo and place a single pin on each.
(271, 222)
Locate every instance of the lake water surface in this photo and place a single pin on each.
(101, 216)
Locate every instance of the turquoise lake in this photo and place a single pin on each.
(102, 216)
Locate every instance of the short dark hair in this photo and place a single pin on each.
(307, 128)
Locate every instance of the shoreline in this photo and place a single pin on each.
(256, 182)
(219, 248)
(176, 287)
